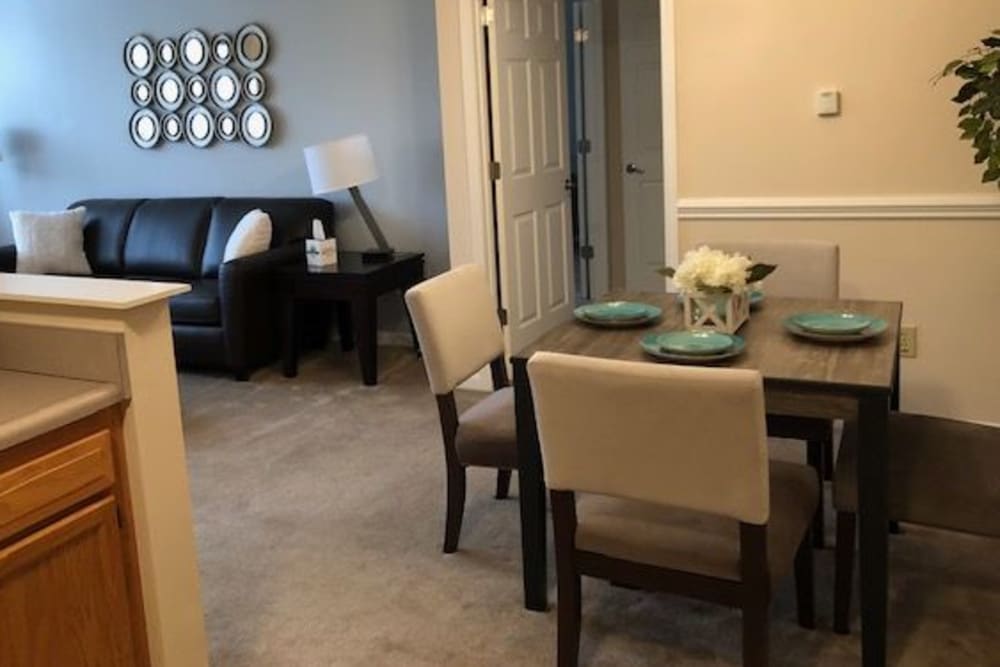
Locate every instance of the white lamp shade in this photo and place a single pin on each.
(341, 164)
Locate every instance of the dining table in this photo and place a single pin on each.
(857, 382)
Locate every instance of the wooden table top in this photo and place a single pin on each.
(782, 358)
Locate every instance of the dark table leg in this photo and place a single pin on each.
(531, 491)
(413, 331)
(345, 326)
(873, 415)
(290, 337)
(365, 314)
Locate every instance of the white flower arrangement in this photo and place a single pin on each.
(708, 271)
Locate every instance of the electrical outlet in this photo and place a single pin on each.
(908, 341)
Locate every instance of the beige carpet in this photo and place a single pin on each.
(319, 508)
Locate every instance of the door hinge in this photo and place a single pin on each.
(486, 15)
(502, 313)
(587, 252)
(581, 35)
(494, 171)
(583, 146)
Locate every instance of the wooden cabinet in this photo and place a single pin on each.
(69, 589)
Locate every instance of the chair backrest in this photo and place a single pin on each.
(806, 269)
(457, 325)
(686, 437)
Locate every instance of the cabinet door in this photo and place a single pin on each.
(63, 597)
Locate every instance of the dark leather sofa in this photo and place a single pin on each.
(229, 319)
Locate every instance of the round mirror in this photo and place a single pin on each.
(227, 126)
(255, 125)
(166, 53)
(222, 48)
(197, 89)
(254, 86)
(224, 88)
(145, 128)
(251, 46)
(194, 50)
(142, 92)
(199, 126)
(173, 130)
(139, 59)
(169, 91)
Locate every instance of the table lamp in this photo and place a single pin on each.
(347, 164)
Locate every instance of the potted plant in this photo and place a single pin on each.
(714, 286)
(979, 99)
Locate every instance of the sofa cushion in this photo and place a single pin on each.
(105, 228)
(291, 219)
(167, 238)
(199, 306)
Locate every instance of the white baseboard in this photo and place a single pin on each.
(896, 207)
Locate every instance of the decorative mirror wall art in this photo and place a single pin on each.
(199, 87)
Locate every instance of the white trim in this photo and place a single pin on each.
(894, 207)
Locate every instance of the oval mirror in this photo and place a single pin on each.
(227, 125)
(194, 50)
(222, 48)
(254, 86)
(224, 87)
(251, 46)
(255, 125)
(199, 126)
(139, 59)
(169, 91)
(145, 128)
(142, 92)
(173, 129)
(166, 53)
(197, 89)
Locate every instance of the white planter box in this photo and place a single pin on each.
(725, 312)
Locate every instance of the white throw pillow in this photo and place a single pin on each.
(251, 236)
(50, 242)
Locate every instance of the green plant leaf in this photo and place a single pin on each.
(952, 66)
(667, 271)
(966, 93)
(967, 71)
(991, 175)
(992, 42)
(758, 272)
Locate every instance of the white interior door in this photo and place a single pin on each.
(530, 136)
(642, 143)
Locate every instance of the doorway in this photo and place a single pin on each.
(615, 80)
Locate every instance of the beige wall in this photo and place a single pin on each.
(747, 72)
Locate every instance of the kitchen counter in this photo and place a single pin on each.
(32, 404)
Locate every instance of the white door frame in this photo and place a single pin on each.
(465, 133)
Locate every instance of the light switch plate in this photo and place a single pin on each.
(908, 341)
(828, 103)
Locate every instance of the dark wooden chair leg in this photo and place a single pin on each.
(568, 606)
(503, 484)
(844, 575)
(456, 508)
(804, 585)
(755, 634)
(814, 454)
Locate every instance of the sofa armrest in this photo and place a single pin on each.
(248, 295)
(8, 259)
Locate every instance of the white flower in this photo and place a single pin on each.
(714, 270)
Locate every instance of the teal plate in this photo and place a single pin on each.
(837, 324)
(652, 345)
(877, 328)
(617, 313)
(695, 343)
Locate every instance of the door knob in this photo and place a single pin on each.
(633, 168)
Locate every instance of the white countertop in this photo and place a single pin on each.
(32, 404)
(84, 292)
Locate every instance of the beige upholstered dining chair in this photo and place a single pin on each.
(459, 332)
(682, 501)
(809, 270)
(942, 473)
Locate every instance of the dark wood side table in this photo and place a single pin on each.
(355, 287)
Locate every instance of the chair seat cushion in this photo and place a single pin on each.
(942, 473)
(696, 542)
(487, 432)
(199, 306)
